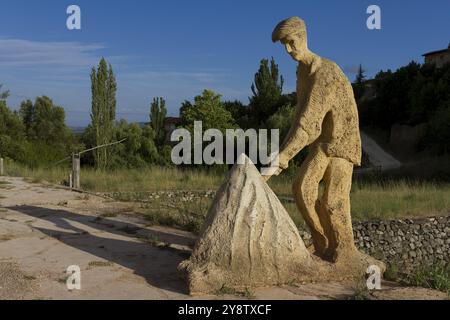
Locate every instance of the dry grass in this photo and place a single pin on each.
(400, 199)
(370, 200)
(436, 277)
(385, 199)
(172, 212)
(99, 264)
(130, 180)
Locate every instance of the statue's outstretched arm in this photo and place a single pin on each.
(307, 126)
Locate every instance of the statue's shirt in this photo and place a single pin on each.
(327, 112)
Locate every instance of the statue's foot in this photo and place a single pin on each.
(320, 245)
(353, 259)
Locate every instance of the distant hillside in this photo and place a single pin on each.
(77, 130)
(417, 96)
(80, 130)
(142, 124)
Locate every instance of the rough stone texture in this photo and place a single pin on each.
(407, 243)
(249, 240)
(378, 237)
(327, 121)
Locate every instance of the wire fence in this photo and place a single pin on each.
(78, 154)
(74, 176)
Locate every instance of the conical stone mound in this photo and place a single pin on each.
(248, 238)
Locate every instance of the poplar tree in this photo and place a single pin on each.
(103, 113)
(158, 112)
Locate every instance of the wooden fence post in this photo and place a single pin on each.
(76, 171)
(1, 167)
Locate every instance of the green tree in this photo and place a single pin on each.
(209, 109)
(103, 113)
(149, 149)
(36, 135)
(282, 120)
(393, 98)
(11, 133)
(360, 76)
(48, 137)
(44, 122)
(158, 114)
(438, 134)
(10, 124)
(128, 154)
(26, 112)
(358, 85)
(238, 111)
(3, 94)
(267, 92)
(139, 149)
(412, 95)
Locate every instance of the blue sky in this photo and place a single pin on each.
(175, 49)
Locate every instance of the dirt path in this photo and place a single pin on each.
(43, 230)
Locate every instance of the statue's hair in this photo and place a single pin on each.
(290, 26)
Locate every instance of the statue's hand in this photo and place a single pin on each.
(284, 162)
(269, 175)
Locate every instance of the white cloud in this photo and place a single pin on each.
(175, 77)
(61, 71)
(26, 53)
(137, 88)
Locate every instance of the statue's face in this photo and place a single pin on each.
(295, 47)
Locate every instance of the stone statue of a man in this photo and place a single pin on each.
(327, 121)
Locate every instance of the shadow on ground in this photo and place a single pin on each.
(158, 266)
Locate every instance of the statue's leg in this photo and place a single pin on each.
(306, 191)
(335, 210)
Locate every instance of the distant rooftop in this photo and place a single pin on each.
(436, 52)
(173, 120)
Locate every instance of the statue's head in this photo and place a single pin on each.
(292, 33)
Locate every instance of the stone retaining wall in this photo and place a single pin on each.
(407, 243)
